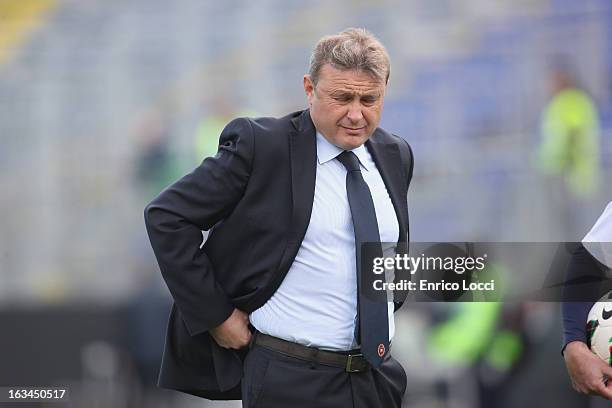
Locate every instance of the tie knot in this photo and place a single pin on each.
(349, 160)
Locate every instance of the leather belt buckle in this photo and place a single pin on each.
(349, 363)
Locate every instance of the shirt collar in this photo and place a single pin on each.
(327, 151)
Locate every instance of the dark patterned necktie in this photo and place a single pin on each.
(372, 312)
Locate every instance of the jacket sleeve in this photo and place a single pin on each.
(175, 220)
(583, 277)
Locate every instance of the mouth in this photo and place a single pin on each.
(353, 130)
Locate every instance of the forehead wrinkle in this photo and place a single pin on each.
(352, 88)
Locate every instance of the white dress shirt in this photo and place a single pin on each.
(598, 241)
(316, 304)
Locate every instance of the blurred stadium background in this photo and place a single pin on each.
(102, 103)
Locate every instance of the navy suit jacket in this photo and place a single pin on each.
(255, 196)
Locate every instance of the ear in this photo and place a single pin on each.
(308, 88)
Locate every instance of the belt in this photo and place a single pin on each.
(351, 362)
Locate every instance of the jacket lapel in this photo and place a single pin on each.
(303, 158)
(388, 162)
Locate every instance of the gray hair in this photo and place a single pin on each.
(352, 49)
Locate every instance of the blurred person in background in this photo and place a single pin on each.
(288, 202)
(156, 166)
(480, 346)
(569, 151)
(222, 110)
(591, 262)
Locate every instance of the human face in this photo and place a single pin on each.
(345, 106)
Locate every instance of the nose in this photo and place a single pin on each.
(354, 114)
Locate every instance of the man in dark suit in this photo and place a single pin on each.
(271, 308)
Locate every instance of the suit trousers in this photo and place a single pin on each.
(275, 380)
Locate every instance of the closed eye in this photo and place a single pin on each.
(347, 97)
(369, 100)
(343, 97)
